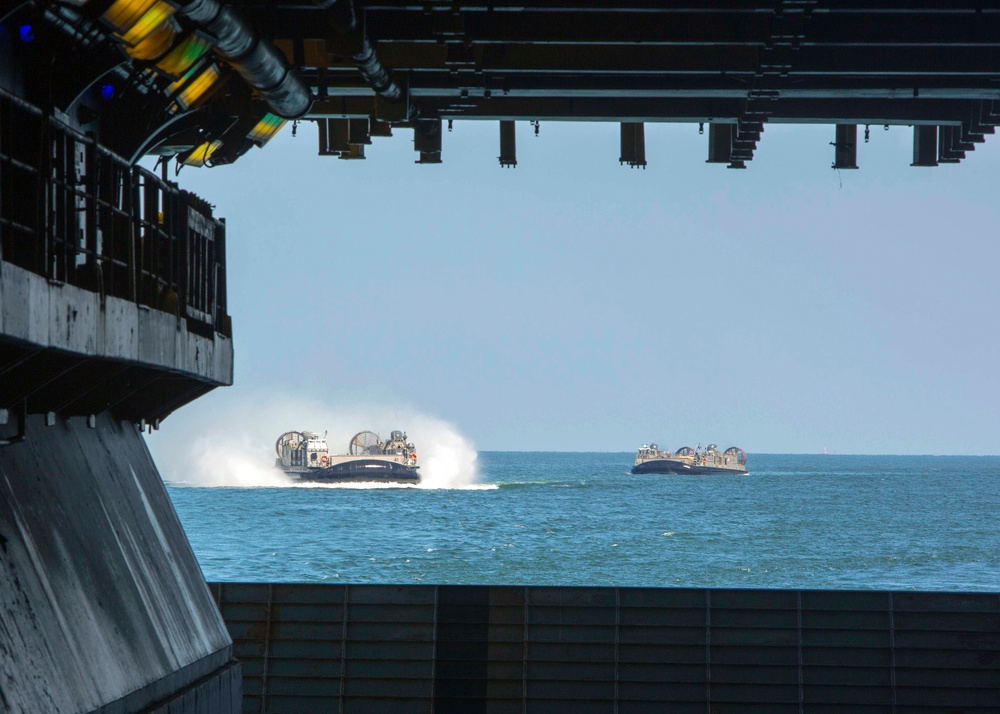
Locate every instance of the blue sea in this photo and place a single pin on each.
(795, 521)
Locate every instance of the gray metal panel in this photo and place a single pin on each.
(103, 607)
(499, 650)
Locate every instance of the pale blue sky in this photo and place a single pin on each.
(574, 304)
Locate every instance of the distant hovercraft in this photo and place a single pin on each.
(306, 456)
(650, 460)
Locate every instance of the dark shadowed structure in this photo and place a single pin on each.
(113, 314)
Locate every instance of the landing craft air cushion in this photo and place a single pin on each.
(650, 460)
(305, 455)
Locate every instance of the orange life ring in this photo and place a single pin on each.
(413, 456)
(325, 459)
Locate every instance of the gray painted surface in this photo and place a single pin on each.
(499, 650)
(112, 302)
(102, 603)
(218, 694)
(63, 317)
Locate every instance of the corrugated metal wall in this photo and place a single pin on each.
(500, 650)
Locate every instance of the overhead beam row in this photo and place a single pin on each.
(691, 29)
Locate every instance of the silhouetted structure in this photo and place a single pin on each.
(113, 314)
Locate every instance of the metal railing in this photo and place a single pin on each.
(76, 213)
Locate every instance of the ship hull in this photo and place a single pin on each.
(669, 466)
(364, 471)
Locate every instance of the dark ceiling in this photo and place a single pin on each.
(362, 69)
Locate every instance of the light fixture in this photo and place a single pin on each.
(200, 155)
(266, 129)
(156, 16)
(192, 87)
(122, 14)
(180, 59)
(155, 44)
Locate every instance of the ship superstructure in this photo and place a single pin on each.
(306, 456)
(649, 459)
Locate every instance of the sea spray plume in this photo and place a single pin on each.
(238, 468)
(210, 454)
(229, 441)
(448, 459)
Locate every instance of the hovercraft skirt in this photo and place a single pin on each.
(363, 471)
(664, 466)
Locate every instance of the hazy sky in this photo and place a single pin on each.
(574, 304)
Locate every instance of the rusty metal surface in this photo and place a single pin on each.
(385, 648)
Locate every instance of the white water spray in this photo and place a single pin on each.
(230, 442)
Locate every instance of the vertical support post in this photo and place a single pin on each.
(266, 665)
(134, 234)
(187, 244)
(92, 247)
(633, 144)
(925, 146)
(323, 128)
(618, 645)
(949, 151)
(427, 140)
(846, 147)
(525, 635)
(343, 651)
(892, 649)
(508, 145)
(335, 136)
(720, 143)
(43, 186)
(357, 131)
(798, 655)
(3, 167)
(434, 645)
(221, 286)
(708, 644)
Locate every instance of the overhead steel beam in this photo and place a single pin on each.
(862, 7)
(701, 59)
(451, 82)
(958, 29)
(744, 63)
(694, 110)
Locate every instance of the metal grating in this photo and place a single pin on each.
(518, 650)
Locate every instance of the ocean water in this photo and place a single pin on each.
(796, 521)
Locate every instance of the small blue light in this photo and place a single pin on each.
(27, 32)
(107, 91)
